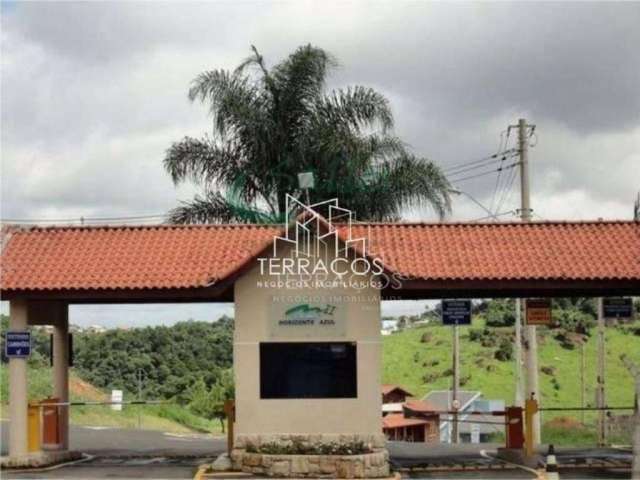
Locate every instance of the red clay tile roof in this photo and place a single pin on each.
(419, 406)
(180, 257)
(158, 257)
(539, 250)
(397, 420)
(388, 387)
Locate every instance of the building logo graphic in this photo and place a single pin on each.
(318, 249)
(309, 314)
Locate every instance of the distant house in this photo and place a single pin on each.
(406, 419)
(394, 394)
(389, 326)
(470, 401)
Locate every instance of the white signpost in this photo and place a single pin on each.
(116, 397)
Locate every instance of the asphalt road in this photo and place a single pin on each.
(157, 468)
(129, 453)
(113, 442)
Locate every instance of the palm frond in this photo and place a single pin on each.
(356, 107)
(216, 208)
(409, 181)
(200, 161)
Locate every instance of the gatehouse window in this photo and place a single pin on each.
(308, 370)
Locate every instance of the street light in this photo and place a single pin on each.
(305, 182)
(455, 191)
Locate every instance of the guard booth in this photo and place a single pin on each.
(307, 345)
(307, 355)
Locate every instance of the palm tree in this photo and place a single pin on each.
(269, 124)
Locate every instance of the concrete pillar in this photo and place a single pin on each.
(18, 322)
(61, 368)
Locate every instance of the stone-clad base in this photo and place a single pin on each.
(372, 441)
(40, 459)
(366, 465)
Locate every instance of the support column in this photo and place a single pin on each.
(18, 321)
(61, 369)
(531, 361)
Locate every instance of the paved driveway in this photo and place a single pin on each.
(111, 442)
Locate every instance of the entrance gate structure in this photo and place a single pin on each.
(44, 270)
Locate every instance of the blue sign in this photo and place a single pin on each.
(617, 308)
(456, 312)
(17, 344)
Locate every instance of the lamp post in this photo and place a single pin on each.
(455, 191)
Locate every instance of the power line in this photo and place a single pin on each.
(82, 220)
(487, 159)
(502, 214)
(482, 174)
(499, 177)
(507, 191)
(473, 167)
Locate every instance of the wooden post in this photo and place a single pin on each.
(635, 372)
(230, 412)
(635, 469)
(600, 392)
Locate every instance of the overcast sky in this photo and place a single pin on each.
(94, 93)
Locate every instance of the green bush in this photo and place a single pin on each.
(500, 313)
(505, 350)
(303, 448)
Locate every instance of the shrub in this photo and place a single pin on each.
(426, 337)
(430, 377)
(547, 370)
(297, 447)
(505, 350)
(501, 313)
(475, 334)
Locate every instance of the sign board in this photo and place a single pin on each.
(305, 319)
(538, 311)
(475, 433)
(456, 312)
(17, 344)
(116, 397)
(617, 308)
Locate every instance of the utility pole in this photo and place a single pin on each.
(600, 392)
(531, 341)
(519, 396)
(140, 378)
(583, 367)
(456, 383)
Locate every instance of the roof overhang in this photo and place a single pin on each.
(131, 265)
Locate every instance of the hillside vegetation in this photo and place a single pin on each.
(187, 365)
(420, 360)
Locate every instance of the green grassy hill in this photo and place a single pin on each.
(421, 366)
(166, 418)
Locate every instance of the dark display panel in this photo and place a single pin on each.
(308, 370)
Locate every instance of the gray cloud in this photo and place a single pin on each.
(93, 93)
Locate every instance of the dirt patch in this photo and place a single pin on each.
(564, 422)
(86, 391)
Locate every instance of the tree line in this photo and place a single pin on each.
(189, 363)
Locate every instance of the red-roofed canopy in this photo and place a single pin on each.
(200, 263)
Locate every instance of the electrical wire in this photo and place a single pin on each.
(482, 174)
(473, 167)
(508, 190)
(85, 220)
(502, 214)
(498, 187)
(480, 160)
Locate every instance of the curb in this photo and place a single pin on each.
(540, 474)
(85, 458)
